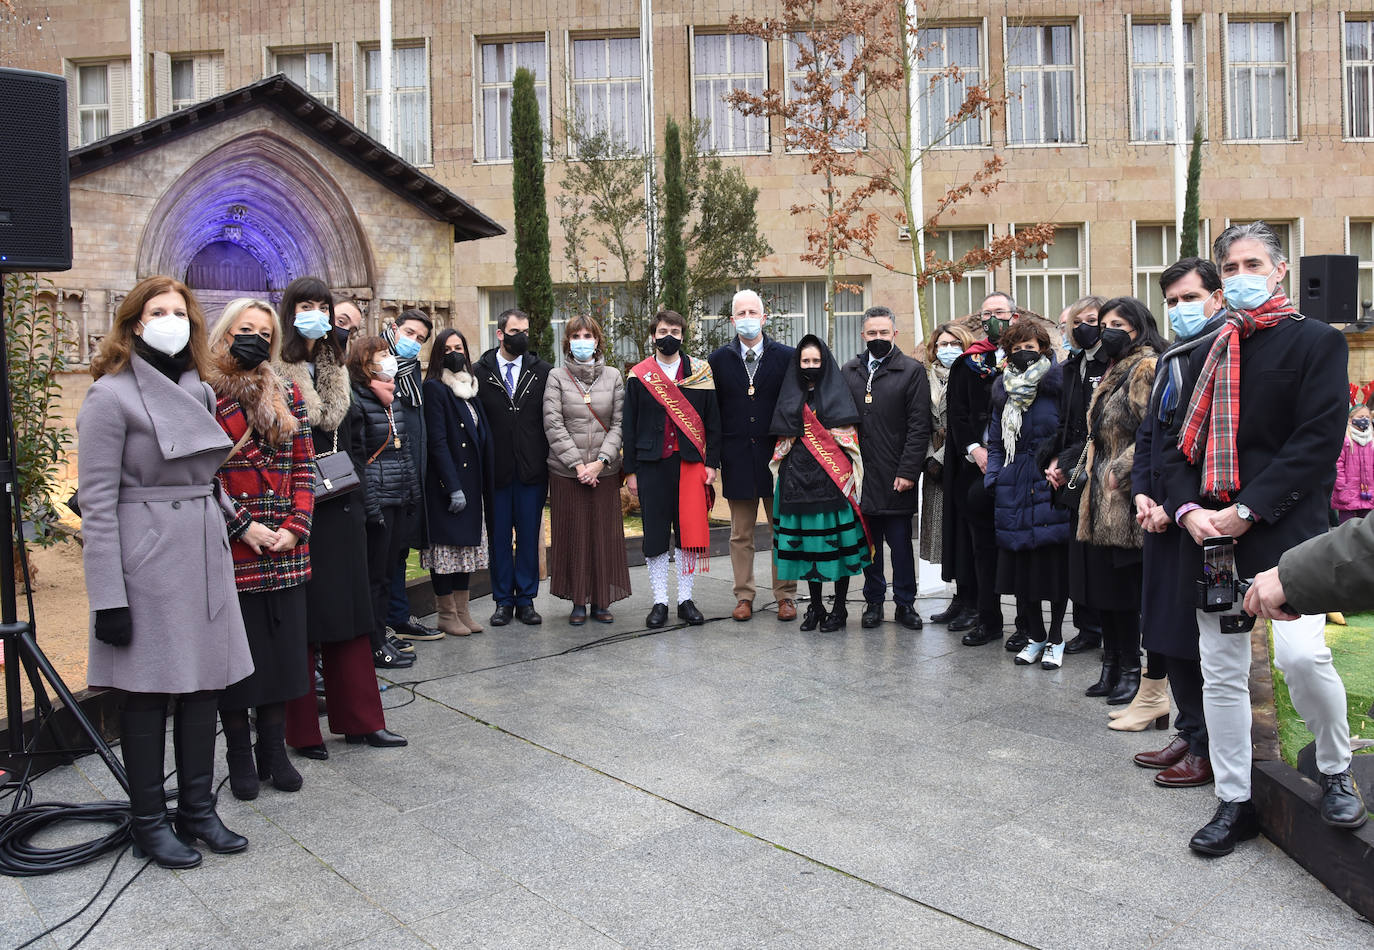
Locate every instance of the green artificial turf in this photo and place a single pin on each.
(1352, 651)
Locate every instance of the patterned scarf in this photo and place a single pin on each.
(978, 359)
(1216, 399)
(1021, 390)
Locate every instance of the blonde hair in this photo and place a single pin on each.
(117, 347)
(234, 309)
(954, 329)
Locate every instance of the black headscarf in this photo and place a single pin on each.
(831, 400)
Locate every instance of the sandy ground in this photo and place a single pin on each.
(60, 613)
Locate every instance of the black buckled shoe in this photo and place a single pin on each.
(981, 634)
(386, 658)
(528, 615)
(688, 611)
(952, 612)
(872, 616)
(815, 613)
(658, 616)
(501, 616)
(1233, 822)
(967, 620)
(907, 617)
(1342, 806)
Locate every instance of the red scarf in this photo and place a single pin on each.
(1216, 398)
(384, 390)
(978, 361)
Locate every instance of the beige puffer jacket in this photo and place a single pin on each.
(575, 435)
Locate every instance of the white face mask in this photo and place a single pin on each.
(167, 334)
(389, 367)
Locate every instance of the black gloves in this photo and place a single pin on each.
(457, 501)
(115, 626)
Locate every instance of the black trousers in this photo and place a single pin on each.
(384, 545)
(984, 534)
(1121, 633)
(1185, 682)
(658, 487)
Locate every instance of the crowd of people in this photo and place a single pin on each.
(278, 468)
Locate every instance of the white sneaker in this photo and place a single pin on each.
(1031, 654)
(1054, 657)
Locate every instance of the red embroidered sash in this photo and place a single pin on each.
(834, 461)
(693, 524)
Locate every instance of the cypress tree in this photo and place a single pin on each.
(674, 216)
(533, 283)
(1187, 241)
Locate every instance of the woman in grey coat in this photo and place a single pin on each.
(159, 575)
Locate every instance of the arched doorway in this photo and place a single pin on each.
(223, 265)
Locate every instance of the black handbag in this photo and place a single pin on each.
(1068, 495)
(334, 473)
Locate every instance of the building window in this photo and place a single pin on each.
(312, 70)
(183, 83)
(1359, 79)
(606, 89)
(1047, 287)
(1257, 79)
(1155, 247)
(1361, 244)
(94, 102)
(1152, 81)
(943, 94)
(951, 300)
(795, 308)
(799, 47)
(410, 133)
(98, 99)
(499, 63)
(1042, 76)
(721, 64)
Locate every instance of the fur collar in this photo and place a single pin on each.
(327, 396)
(462, 385)
(260, 393)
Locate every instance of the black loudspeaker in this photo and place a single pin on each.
(35, 205)
(1330, 287)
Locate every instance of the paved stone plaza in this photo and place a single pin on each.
(729, 786)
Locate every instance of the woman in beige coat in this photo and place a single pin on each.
(583, 400)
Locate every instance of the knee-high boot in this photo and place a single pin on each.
(193, 739)
(143, 736)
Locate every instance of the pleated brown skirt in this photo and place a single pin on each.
(587, 555)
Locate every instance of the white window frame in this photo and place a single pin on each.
(271, 68)
(788, 73)
(1296, 244)
(117, 93)
(1080, 132)
(924, 73)
(1290, 76)
(570, 84)
(692, 34)
(1347, 119)
(1083, 270)
(1366, 267)
(989, 274)
(1198, 66)
(363, 94)
(479, 44)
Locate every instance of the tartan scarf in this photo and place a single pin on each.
(1216, 399)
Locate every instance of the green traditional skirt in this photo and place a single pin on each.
(818, 546)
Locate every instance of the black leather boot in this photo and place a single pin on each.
(272, 761)
(193, 739)
(1111, 675)
(1126, 687)
(815, 613)
(238, 755)
(143, 735)
(952, 612)
(837, 618)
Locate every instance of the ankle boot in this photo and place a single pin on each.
(1151, 705)
(448, 616)
(193, 739)
(1111, 675)
(143, 734)
(238, 755)
(815, 613)
(460, 604)
(837, 618)
(1127, 686)
(272, 761)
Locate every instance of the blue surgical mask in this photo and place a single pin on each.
(748, 328)
(1247, 291)
(1188, 318)
(582, 350)
(312, 324)
(406, 348)
(1071, 347)
(947, 354)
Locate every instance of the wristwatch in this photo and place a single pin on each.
(603, 460)
(1244, 513)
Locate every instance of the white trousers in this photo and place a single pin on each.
(1301, 654)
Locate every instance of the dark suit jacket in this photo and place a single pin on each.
(1294, 393)
(520, 446)
(894, 429)
(643, 423)
(746, 446)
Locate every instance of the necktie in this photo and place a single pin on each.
(750, 357)
(510, 380)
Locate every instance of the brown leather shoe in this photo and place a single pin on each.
(787, 610)
(1189, 772)
(1166, 757)
(743, 610)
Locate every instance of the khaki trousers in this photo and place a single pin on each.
(744, 513)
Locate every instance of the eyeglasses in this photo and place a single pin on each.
(995, 314)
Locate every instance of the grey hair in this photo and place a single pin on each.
(734, 301)
(233, 309)
(1254, 231)
(873, 313)
(1011, 301)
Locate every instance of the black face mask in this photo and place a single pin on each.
(1114, 342)
(811, 375)
(878, 349)
(1360, 424)
(1024, 359)
(667, 345)
(455, 362)
(1086, 335)
(249, 350)
(516, 343)
(341, 336)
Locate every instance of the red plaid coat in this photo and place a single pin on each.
(275, 487)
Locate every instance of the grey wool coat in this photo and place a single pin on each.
(154, 535)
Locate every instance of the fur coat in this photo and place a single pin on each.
(1106, 515)
(327, 395)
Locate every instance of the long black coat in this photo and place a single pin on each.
(894, 429)
(968, 410)
(519, 444)
(643, 424)
(746, 446)
(1079, 385)
(1294, 393)
(460, 459)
